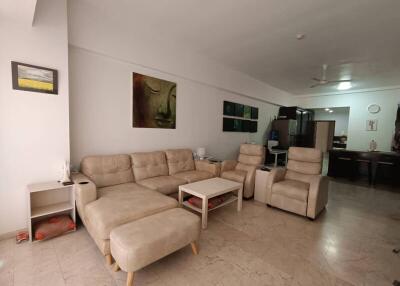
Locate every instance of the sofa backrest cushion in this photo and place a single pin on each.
(179, 160)
(109, 170)
(296, 176)
(149, 164)
(251, 154)
(305, 160)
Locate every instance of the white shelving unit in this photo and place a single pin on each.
(49, 199)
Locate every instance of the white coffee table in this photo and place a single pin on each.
(208, 189)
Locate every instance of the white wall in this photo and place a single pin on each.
(104, 53)
(34, 131)
(339, 115)
(90, 29)
(101, 112)
(358, 137)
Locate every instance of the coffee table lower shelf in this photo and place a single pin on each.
(208, 189)
(228, 201)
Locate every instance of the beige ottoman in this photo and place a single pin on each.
(139, 243)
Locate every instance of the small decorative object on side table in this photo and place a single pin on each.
(49, 199)
(201, 153)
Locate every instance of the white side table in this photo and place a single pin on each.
(276, 152)
(47, 200)
(260, 188)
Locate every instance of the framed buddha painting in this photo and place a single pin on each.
(153, 102)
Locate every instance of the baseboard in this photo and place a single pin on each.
(11, 234)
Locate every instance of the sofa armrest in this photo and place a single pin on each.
(204, 165)
(317, 195)
(248, 187)
(228, 165)
(276, 175)
(84, 193)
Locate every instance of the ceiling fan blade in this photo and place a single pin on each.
(337, 81)
(315, 85)
(324, 68)
(316, 79)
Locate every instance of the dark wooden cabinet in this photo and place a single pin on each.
(295, 127)
(380, 166)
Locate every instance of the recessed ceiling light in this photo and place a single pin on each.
(330, 111)
(327, 109)
(344, 85)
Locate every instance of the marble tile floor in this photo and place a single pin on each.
(349, 244)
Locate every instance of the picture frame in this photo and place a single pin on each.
(246, 125)
(239, 110)
(229, 108)
(253, 126)
(227, 124)
(372, 125)
(254, 113)
(239, 117)
(237, 125)
(153, 102)
(247, 112)
(34, 78)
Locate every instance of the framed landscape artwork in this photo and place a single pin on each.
(153, 102)
(34, 78)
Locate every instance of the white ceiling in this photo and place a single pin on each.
(358, 39)
(18, 10)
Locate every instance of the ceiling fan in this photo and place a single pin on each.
(323, 80)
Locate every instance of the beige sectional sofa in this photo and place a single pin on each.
(117, 189)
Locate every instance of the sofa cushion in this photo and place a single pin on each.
(235, 175)
(163, 184)
(149, 164)
(193, 176)
(179, 160)
(252, 149)
(305, 160)
(108, 170)
(304, 167)
(296, 176)
(139, 243)
(116, 190)
(289, 204)
(292, 189)
(310, 155)
(122, 207)
(250, 160)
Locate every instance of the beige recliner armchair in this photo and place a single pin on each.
(251, 156)
(299, 188)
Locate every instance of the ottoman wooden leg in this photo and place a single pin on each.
(116, 267)
(194, 248)
(129, 279)
(109, 259)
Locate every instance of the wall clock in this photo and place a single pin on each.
(373, 108)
